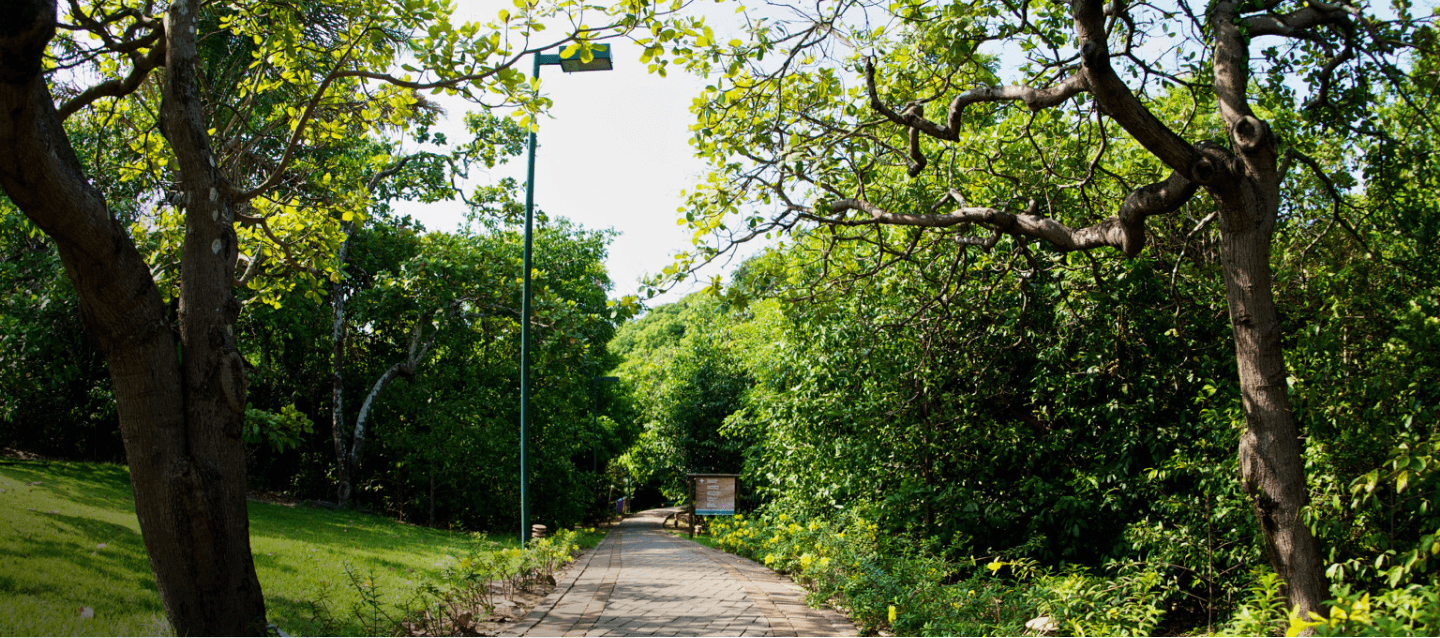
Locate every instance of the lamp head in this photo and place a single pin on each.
(600, 60)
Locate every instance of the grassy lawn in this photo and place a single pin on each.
(69, 541)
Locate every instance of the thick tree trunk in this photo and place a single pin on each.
(1272, 471)
(180, 416)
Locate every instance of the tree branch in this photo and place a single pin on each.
(1118, 102)
(1333, 192)
(1125, 231)
(1035, 99)
(118, 87)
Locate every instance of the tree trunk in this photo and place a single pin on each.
(180, 416)
(337, 389)
(349, 462)
(1272, 471)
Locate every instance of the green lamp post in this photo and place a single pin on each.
(569, 64)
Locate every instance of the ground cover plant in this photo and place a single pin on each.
(892, 583)
(74, 564)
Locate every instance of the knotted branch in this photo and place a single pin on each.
(1125, 231)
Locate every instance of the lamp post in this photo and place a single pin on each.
(568, 64)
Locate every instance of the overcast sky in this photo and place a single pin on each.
(614, 153)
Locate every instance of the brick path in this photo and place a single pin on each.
(641, 581)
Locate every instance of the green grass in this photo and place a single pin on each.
(703, 539)
(69, 539)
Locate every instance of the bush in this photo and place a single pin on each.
(890, 582)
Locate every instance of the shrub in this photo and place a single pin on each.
(891, 582)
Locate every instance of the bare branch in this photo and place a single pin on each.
(1125, 231)
(117, 87)
(252, 269)
(1185, 245)
(1035, 99)
(390, 171)
(1118, 102)
(1335, 199)
(1299, 25)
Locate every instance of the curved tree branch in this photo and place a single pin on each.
(1118, 102)
(1035, 99)
(1125, 231)
(1335, 199)
(118, 87)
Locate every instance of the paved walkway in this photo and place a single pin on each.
(641, 581)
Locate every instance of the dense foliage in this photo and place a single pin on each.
(444, 442)
(1080, 420)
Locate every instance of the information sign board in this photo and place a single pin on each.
(715, 495)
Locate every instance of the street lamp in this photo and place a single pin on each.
(569, 64)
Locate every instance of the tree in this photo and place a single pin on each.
(221, 102)
(688, 381)
(496, 140)
(794, 137)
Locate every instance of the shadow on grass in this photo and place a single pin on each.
(93, 484)
(69, 562)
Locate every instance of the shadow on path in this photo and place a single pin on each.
(642, 581)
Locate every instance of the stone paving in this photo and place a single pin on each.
(642, 581)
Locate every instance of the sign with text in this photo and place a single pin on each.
(715, 495)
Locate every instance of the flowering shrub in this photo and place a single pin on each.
(884, 581)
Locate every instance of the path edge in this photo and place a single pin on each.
(567, 581)
(841, 624)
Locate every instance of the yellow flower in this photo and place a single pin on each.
(784, 518)
(995, 566)
(769, 559)
(892, 614)
(825, 562)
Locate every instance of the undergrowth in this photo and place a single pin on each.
(888, 583)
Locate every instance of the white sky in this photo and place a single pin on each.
(614, 153)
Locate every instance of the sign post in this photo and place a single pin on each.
(712, 495)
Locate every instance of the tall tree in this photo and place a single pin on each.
(240, 93)
(1114, 95)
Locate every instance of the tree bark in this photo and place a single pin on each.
(180, 416)
(1272, 470)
